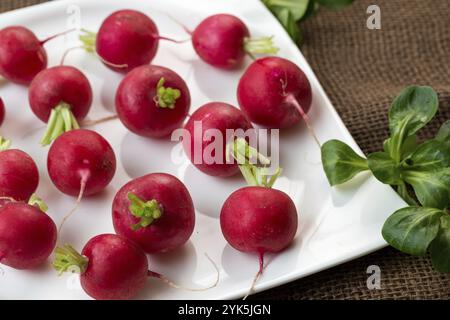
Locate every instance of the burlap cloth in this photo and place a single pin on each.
(362, 70)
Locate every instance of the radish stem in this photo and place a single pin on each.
(166, 97)
(4, 144)
(255, 174)
(37, 202)
(147, 211)
(67, 257)
(61, 120)
(261, 45)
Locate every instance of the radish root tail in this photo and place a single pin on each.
(88, 123)
(8, 199)
(177, 286)
(186, 29)
(57, 35)
(291, 99)
(96, 54)
(77, 203)
(171, 40)
(120, 66)
(257, 276)
(63, 58)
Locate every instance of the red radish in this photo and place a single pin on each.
(60, 96)
(80, 163)
(275, 93)
(126, 39)
(223, 40)
(2, 111)
(155, 211)
(258, 219)
(81, 159)
(152, 101)
(27, 235)
(213, 116)
(19, 175)
(111, 267)
(22, 55)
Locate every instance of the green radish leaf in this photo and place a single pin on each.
(409, 146)
(412, 229)
(430, 155)
(432, 188)
(427, 170)
(440, 247)
(311, 10)
(286, 18)
(403, 192)
(340, 162)
(384, 168)
(335, 4)
(296, 7)
(410, 111)
(443, 134)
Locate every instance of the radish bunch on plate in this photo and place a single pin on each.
(154, 213)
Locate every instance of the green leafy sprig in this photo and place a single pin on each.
(291, 12)
(405, 164)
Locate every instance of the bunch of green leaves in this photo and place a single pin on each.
(291, 12)
(406, 165)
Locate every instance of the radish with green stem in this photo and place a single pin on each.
(27, 234)
(152, 101)
(60, 96)
(155, 211)
(111, 267)
(275, 93)
(126, 39)
(257, 219)
(80, 163)
(19, 175)
(213, 116)
(22, 54)
(223, 41)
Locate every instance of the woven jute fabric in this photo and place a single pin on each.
(362, 71)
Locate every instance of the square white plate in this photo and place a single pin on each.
(336, 225)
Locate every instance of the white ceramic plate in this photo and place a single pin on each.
(336, 225)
